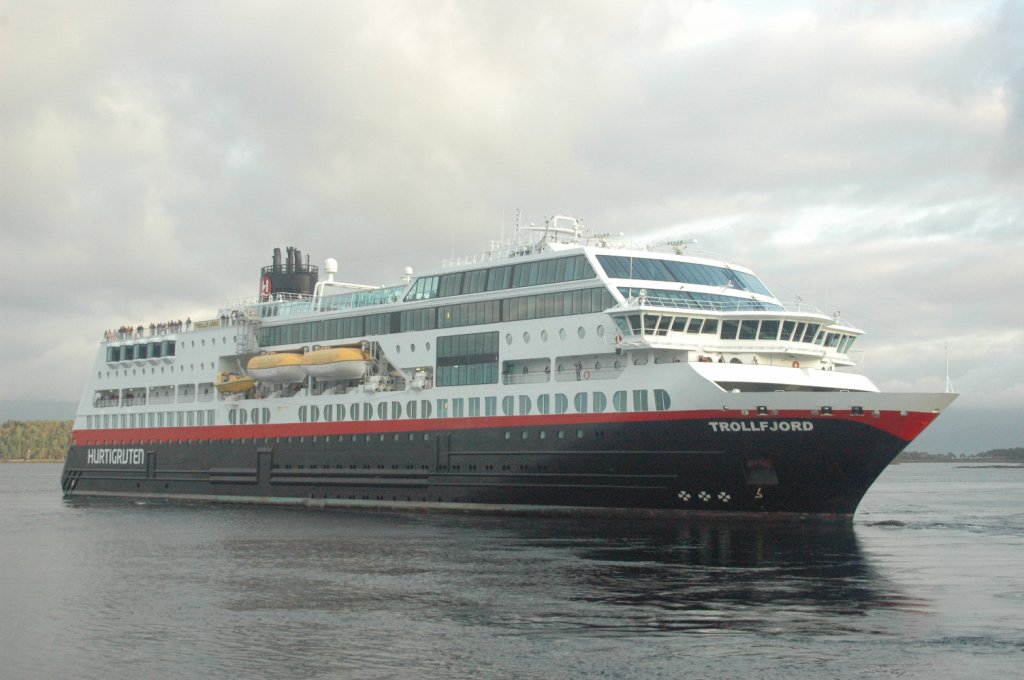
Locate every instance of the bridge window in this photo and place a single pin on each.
(769, 329)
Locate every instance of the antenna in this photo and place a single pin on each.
(949, 384)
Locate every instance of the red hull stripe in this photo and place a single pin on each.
(905, 427)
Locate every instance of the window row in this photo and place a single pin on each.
(518, 405)
(160, 394)
(711, 302)
(566, 303)
(651, 269)
(735, 329)
(535, 273)
(143, 350)
(468, 373)
(156, 419)
(512, 405)
(467, 345)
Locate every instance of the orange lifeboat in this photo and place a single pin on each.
(336, 363)
(277, 367)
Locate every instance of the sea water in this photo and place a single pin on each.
(928, 582)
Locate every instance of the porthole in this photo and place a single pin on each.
(508, 339)
(544, 336)
(526, 336)
(398, 349)
(561, 333)
(582, 332)
(428, 346)
(600, 331)
(412, 347)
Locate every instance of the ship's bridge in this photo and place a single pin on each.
(735, 331)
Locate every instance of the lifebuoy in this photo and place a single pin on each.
(586, 375)
(796, 364)
(618, 338)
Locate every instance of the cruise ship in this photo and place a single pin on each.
(558, 373)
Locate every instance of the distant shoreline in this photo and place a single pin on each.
(31, 461)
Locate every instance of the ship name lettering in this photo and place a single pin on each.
(762, 426)
(115, 456)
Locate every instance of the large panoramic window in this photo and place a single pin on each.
(519, 275)
(650, 269)
(470, 359)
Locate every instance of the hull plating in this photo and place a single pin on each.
(764, 467)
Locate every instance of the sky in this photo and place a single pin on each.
(867, 157)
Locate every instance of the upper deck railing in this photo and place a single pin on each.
(299, 305)
(733, 305)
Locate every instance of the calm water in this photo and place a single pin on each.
(128, 590)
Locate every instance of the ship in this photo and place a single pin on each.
(556, 373)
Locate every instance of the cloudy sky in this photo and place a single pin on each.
(866, 156)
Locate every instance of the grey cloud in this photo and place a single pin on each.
(156, 153)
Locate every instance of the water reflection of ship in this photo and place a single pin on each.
(706, 576)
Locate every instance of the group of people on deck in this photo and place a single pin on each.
(127, 332)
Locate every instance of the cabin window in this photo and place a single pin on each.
(662, 402)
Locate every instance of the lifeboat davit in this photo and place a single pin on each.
(277, 367)
(336, 363)
(232, 383)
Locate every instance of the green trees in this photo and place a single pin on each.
(34, 439)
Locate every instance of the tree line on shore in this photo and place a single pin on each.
(1014, 455)
(34, 439)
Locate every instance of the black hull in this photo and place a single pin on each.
(821, 467)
